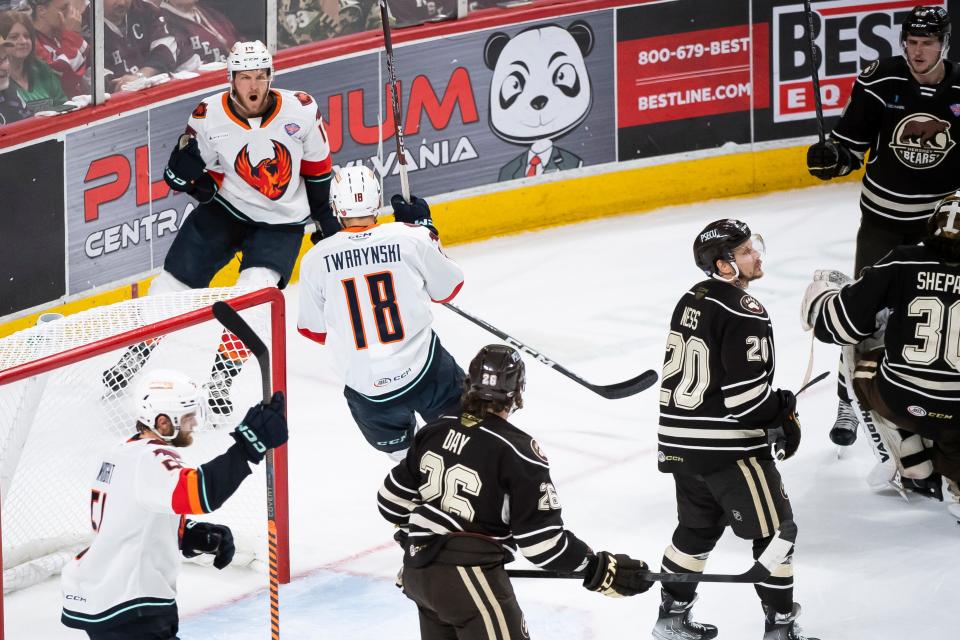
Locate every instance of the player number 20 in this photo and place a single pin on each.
(449, 485)
(383, 299)
(936, 322)
(692, 358)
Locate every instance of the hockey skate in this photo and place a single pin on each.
(117, 377)
(674, 623)
(929, 487)
(218, 387)
(844, 430)
(953, 499)
(783, 626)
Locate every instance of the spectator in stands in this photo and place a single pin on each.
(303, 21)
(201, 34)
(136, 43)
(37, 85)
(67, 53)
(11, 106)
(407, 14)
(359, 15)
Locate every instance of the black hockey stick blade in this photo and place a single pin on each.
(236, 325)
(614, 391)
(779, 548)
(812, 382)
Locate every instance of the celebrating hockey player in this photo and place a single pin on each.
(472, 489)
(717, 407)
(258, 162)
(367, 291)
(124, 586)
(908, 386)
(902, 109)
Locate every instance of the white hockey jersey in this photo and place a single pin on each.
(369, 290)
(131, 567)
(260, 163)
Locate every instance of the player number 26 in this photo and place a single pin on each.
(450, 485)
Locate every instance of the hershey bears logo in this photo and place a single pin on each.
(200, 112)
(921, 140)
(535, 446)
(304, 98)
(270, 176)
(751, 304)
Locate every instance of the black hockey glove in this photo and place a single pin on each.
(327, 225)
(204, 188)
(185, 165)
(828, 159)
(786, 437)
(264, 427)
(417, 211)
(616, 575)
(205, 537)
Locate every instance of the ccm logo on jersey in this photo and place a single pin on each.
(751, 304)
(70, 596)
(385, 381)
(920, 412)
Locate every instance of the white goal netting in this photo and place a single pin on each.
(54, 426)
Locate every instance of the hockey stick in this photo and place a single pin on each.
(776, 552)
(812, 382)
(232, 321)
(814, 69)
(395, 100)
(610, 391)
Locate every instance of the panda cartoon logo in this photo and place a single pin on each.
(540, 92)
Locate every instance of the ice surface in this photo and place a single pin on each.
(596, 297)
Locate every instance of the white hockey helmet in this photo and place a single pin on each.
(355, 192)
(249, 56)
(170, 393)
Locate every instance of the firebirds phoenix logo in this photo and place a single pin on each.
(270, 176)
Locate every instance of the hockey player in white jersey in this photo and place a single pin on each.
(367, 291)
(258, 162)
(124, 585)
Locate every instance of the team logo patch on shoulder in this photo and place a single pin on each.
(304, 98)
(537, 451)
(200, 112)
(955, 108)
(869, 69)
(751, 304)
(700, 293)
(291, 128)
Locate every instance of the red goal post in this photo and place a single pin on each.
(83, 344)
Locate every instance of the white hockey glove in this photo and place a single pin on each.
(824, 282)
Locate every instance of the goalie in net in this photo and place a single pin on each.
(148, 492)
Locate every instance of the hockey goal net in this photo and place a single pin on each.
(57, 417)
